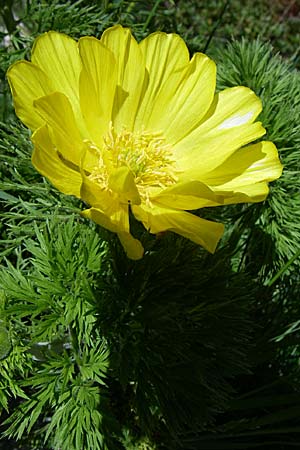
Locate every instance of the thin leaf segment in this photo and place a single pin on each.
(127, 126)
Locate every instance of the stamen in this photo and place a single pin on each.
(146, 154)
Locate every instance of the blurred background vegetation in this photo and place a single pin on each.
(182, 350)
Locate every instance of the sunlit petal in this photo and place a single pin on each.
(97, 86)
(198, 230)
(55, 109)
(116, 219)
(166, 56)
(130, 75)
(57, 55)
(28, 82)
(47, 161)
(228, 125)
(132, 246)
(179, 109)
(188, 195)
(249, 165)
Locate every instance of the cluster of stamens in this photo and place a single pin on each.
(147, 155)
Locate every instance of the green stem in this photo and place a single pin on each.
(283, 269)
(74, 341)
(216, 26)
(151, 15)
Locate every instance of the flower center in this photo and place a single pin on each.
(146, 154)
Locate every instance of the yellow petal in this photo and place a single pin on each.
(228, 125)
(232, 108)
(121, 181)
(97, 86)
(164, 54)
(131, 73)
(249, 165)
(116, 220)
(178, 113)
(189, 195)
(57, 55)
(98, 216)
(28, 82)
(104, 199)
(246, 194)
(93, 194)
(133, 247)
(57, 112)
(46, 160)
(198, 230)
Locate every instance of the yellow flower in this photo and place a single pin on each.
(126, 125)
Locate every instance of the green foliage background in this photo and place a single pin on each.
(181, 350)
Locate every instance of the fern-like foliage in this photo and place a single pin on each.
(49, 307)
